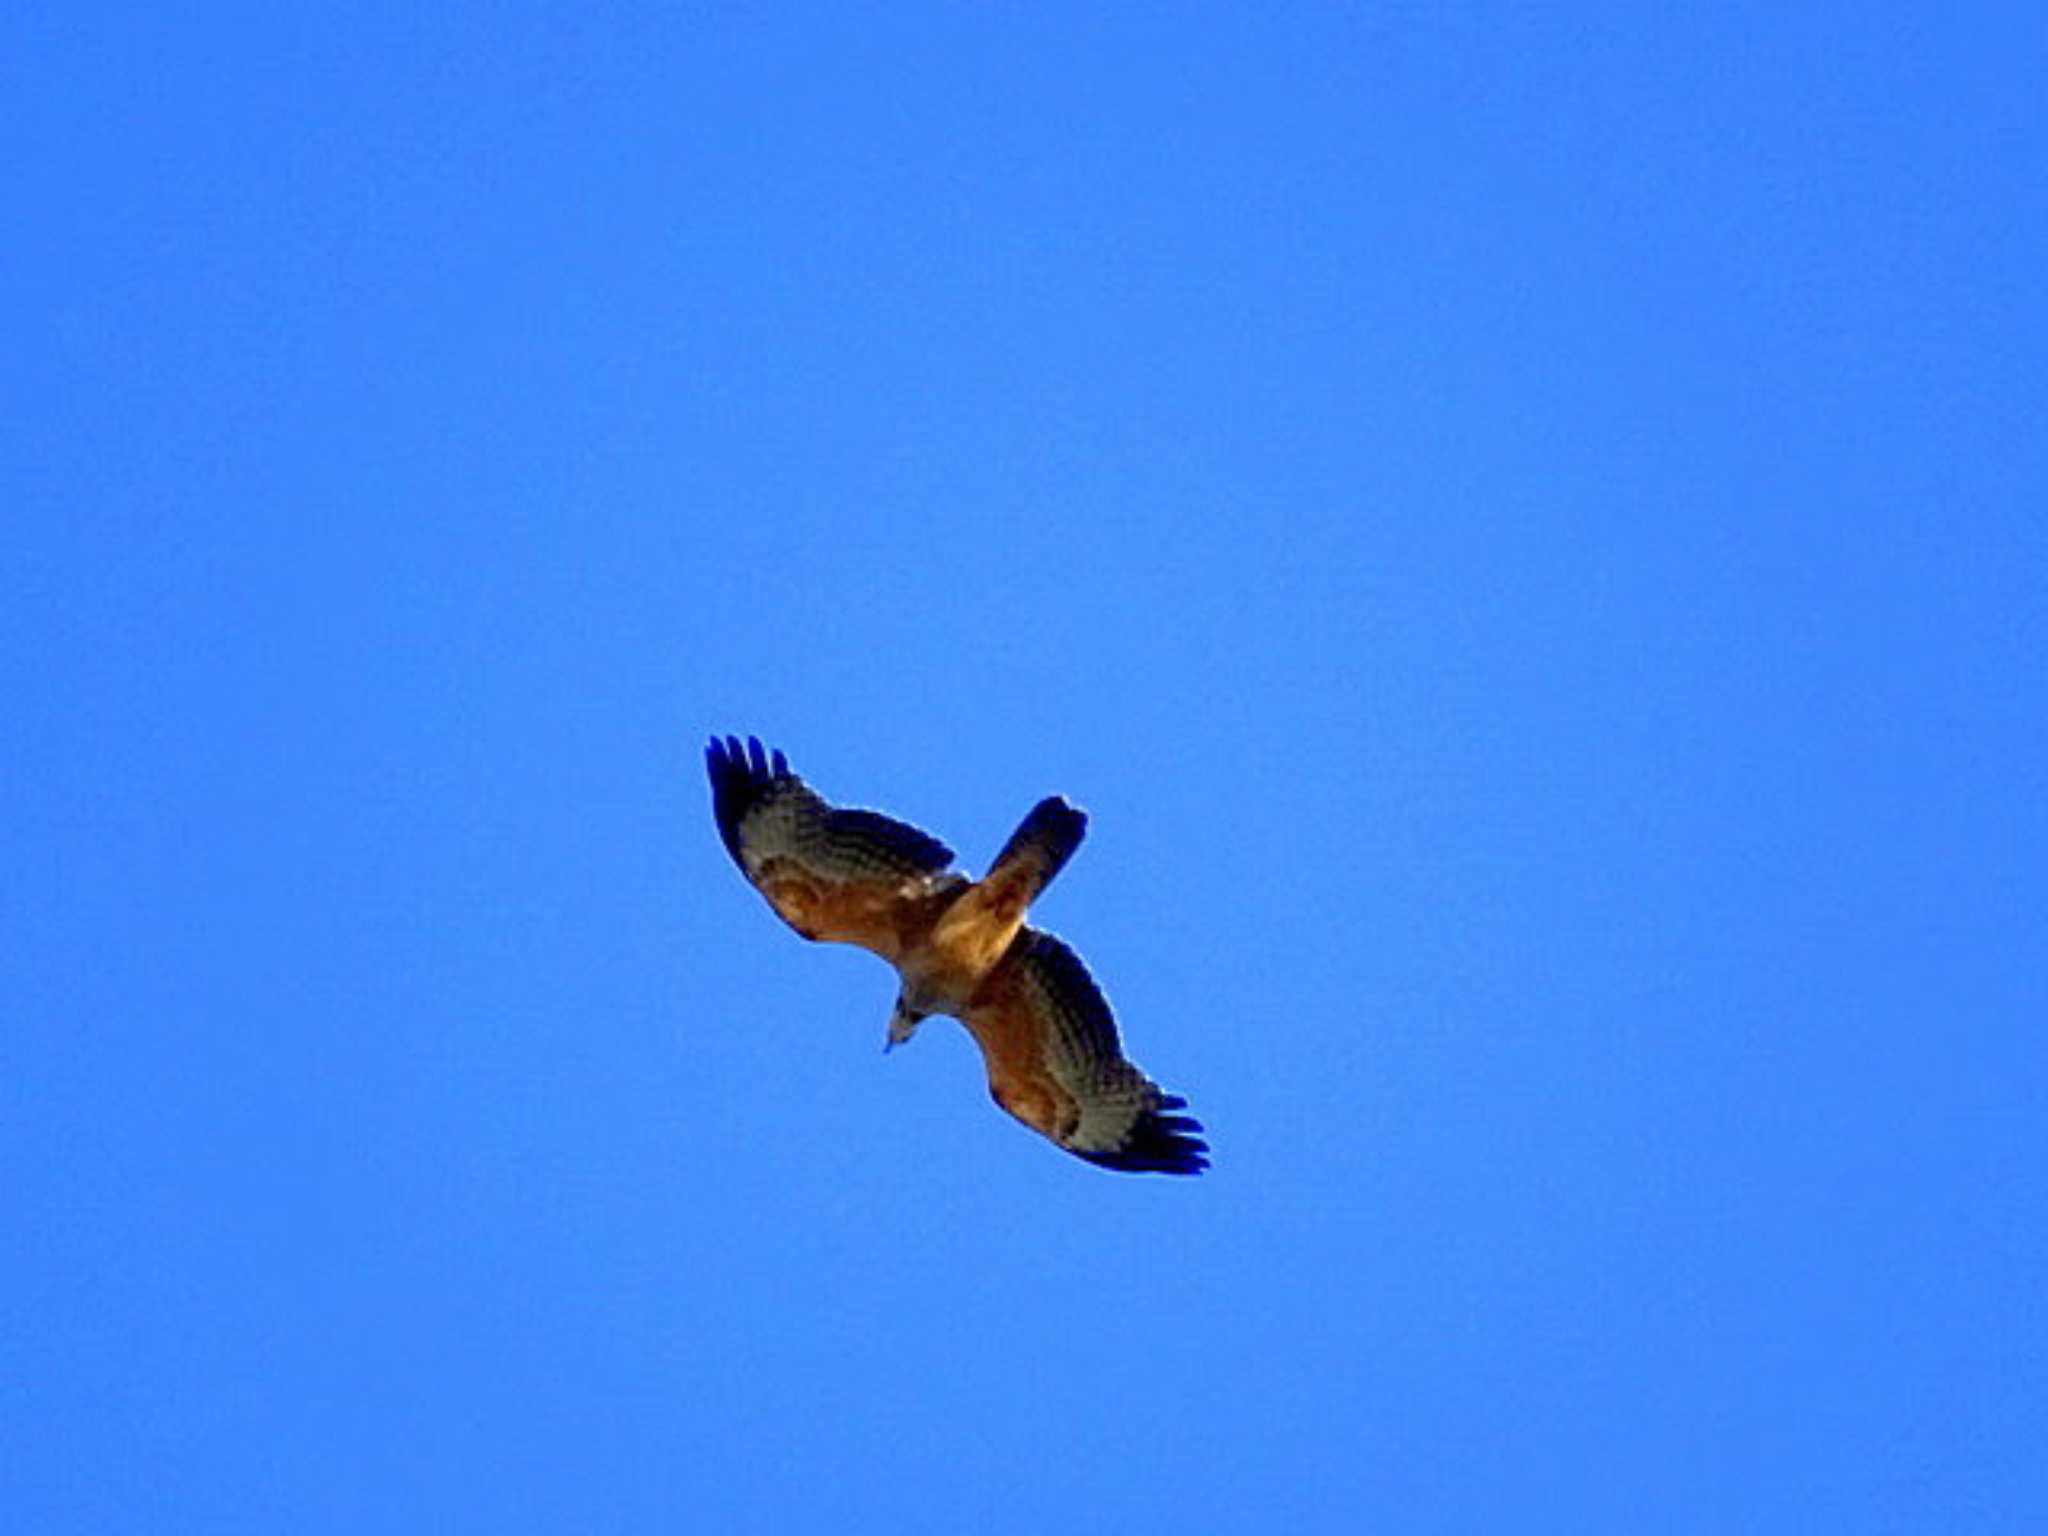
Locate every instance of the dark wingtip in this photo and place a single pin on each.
(741, 777)
(1159, 1143)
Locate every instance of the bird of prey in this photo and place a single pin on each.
(962, 948)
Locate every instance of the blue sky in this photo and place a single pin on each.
(1522, 526)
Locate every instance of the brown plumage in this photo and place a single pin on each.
(961, 947)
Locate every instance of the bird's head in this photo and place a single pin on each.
(902, 1024)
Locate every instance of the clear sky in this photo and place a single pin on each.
(1523, 525)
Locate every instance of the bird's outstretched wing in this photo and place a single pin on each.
(1050, 1044)
(844, 876)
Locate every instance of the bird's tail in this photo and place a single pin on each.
(1042, 843)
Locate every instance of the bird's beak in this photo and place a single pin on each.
(902, 1025)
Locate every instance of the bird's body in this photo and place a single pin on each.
(961, 947)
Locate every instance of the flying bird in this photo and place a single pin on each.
(961, 947)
